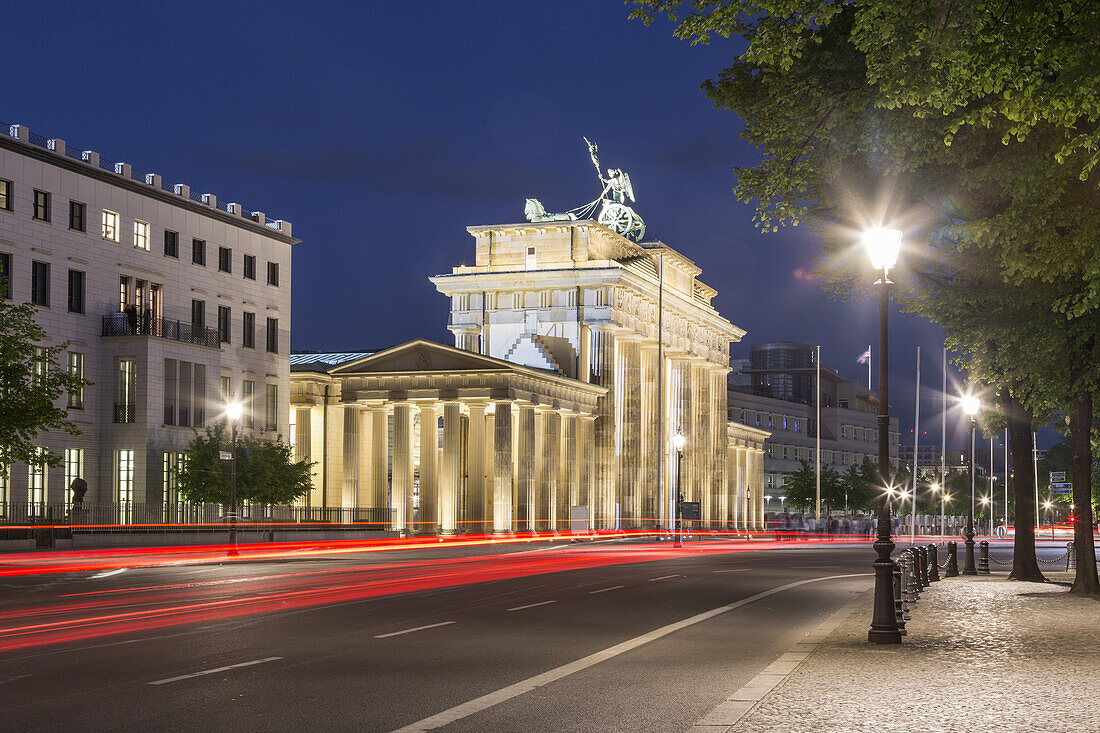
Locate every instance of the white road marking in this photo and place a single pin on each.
(109, 573)
(603, 590)
(738, 570)
(214, 671)
(664, 577)
(812, 567)
(531, 605)
(504, 694)
(409, 631)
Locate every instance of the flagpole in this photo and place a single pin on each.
(943, 452)
(868, 367)
(1006, 482)
(817, 433)
(916, 439)
(992, 488)
(1035, 470)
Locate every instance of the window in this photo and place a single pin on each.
(5, 276)
(183, 416)
(198, 252)
(76, 368)
(198, 407)
(271, 413)
(74, 467)
(141, 235)
(41, 363)
(223, 324)
(76, 217)
(110, 226)
(248, 394)
(225, 259)
(171, 243)
(173, 462)
(248, 334)
(41, 205)
(273, 273)
(124, 483)
(225, 391)
(5, 195)
(170, 387)
(76, 291)
(125, 294)
(249, 267)
(36, 481)
(198, 314)
(273, 335)
(40, 284)
(125, 407)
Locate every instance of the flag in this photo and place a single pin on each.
(864, 357)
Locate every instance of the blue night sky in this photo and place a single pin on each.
(382, 130)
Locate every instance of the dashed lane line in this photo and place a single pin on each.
(532, 605)
(737, 570)
(409, 631)
(214, 671)
(604, 590)
(664, 577)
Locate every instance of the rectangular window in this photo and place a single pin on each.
(249, 267)
(225, 259)
(74, 468)
(5, 195)
(124, 483)
(225, 390)
(110, 226)
(40, 284)
(126, 407)
(198, 400)
(41, 363)
(5, 276)
(248, 332)
(184, 413)
(273, 273)
(171, 244)
(141, 235)
(41, 205)
(76, 367)
(36, 482)
(271, 409)
(170, 387)
(273, 335)
(76, 291)
(198, 252)
(76, 217)
(198, 314)
(248, 396)
(223, 324)
(172, 463)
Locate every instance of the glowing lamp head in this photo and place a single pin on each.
(934, 487)
(1046, 505)
(971, 405)
(882, 246)
(678, 441)
(233, 411)
(985, 499)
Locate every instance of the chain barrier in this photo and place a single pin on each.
(998, 562)
(1058, 559)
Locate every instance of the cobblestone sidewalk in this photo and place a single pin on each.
(981, 654)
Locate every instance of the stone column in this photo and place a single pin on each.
(502, 468)
(552, 470)
(601, 354)
(525, 468)
(702, 450)
(450, 477)
(742, 502)
(719, 441)
(428, 517)
(475, 509)
(628, 387)
(401, 490)
(567, 473)
(757, 481)
(379, 460)
(649, 500)
(352, 440)
(586, 474)
(363, 493)
(540, 476)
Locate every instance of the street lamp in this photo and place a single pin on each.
(935, 488)
(970, 405)
(233, 413)
(678, 441)
(882, 247)
(985, 503)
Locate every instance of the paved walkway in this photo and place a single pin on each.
(981, 653)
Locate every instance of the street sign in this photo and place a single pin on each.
(1061, 489)
(691, 510)
(1057, 476)
(225, 455)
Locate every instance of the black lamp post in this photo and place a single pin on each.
(883, 246)
(233, 413)
(971, 405)
(678, 442)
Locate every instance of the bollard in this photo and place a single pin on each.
(923, 553)
(952, 560)
(912, 584)
(906, 586)
(899, 613)
(918, 583)
(1071, 557)
(933, 564)
(983, 558)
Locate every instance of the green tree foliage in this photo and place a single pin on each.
(31, 385)
(266, 471)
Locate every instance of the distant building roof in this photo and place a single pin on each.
(307, 361)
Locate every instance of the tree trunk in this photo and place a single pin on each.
(1019, 420)
(1080, 430)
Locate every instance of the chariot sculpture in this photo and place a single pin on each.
(614, 211)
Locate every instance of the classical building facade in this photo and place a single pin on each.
(557, 405)
(170, 301)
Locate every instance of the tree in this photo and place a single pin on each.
(800, 488)
(862, 484)
(266, 471)
(31, 384)
(979, 121)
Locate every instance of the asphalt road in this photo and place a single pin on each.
(376, 644)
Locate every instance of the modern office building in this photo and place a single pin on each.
(774, 390)
(171, 303)
(548, 405)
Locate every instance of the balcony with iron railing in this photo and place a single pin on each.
(125, 412)
(132, 324)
